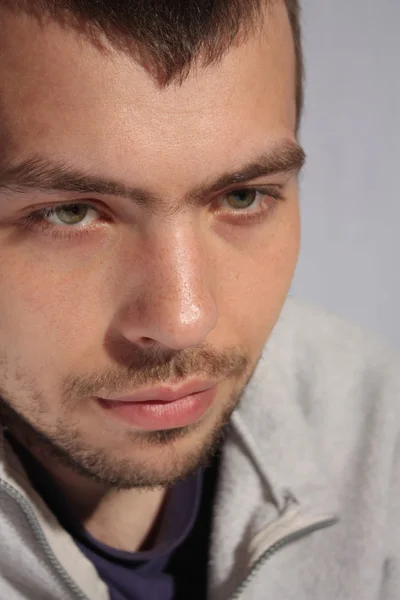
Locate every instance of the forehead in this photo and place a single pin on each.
(63, 97)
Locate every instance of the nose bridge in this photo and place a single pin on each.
(179, 302)
(183, 272)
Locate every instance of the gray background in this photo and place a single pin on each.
(350, 203)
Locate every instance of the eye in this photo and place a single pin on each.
(238, 199)
(70, 214)
(246, 206)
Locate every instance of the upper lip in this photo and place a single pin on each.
(165, 393)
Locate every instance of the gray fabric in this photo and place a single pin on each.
(308, 500)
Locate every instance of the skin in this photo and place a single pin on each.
(117, 303)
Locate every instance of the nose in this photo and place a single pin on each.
(171, 303)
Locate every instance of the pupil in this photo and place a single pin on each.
(72, 214)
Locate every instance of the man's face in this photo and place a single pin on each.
(180, 277)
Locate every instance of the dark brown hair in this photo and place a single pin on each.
(170, 33)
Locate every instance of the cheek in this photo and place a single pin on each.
(260, 279)
(47, 313)
(276, 255)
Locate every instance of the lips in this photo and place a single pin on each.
(162, 394)
(159, 409)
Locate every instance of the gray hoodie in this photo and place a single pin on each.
(308, 498)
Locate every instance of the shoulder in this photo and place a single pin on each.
(332, 366)
(313, 337)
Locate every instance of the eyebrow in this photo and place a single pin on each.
(42, 174)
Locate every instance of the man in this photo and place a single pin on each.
(173, 426)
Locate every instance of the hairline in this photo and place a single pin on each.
(126, 43)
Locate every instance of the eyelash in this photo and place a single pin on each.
(269, 196)
(36, 221)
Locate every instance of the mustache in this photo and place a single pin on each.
(150, 368)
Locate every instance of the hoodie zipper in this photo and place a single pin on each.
(80, 595)
(42, 541)
(285, 541)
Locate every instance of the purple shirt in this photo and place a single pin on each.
(132, 575)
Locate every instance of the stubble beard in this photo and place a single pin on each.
(66, 447)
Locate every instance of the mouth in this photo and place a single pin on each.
(164, 393)
(164, 407)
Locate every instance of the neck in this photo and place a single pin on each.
(125, 520)
(122, 519)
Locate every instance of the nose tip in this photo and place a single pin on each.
(190, 326)
(170, 315)
(177, 325)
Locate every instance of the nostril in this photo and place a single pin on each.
(147, 342)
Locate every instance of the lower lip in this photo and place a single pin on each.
(155, 415)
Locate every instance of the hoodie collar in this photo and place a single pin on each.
(270, 460)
